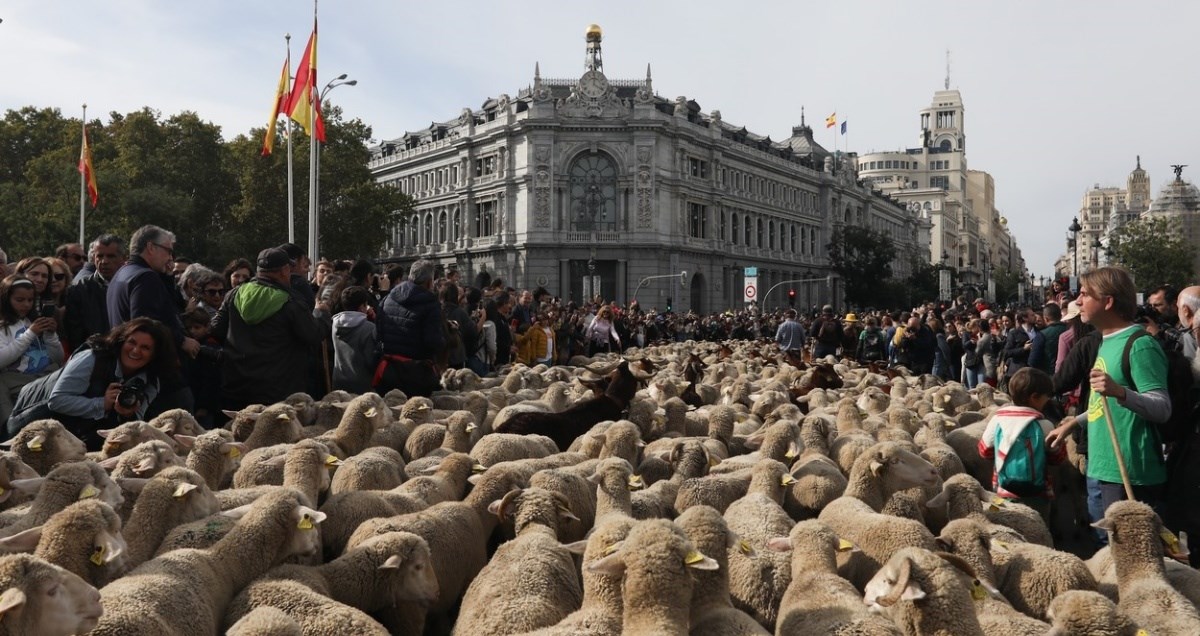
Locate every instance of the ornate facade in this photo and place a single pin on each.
(591, 185)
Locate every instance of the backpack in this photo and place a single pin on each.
(873, 345)
(1179, 387)
(1023, 472)
(830, 332)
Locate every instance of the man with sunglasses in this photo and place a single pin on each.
(144, 287)
(72, 254)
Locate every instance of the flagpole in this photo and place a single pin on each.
(287, 37)
(82, 179)
(314, 146)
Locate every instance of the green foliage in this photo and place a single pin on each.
(1007, 284)
(220, 198)
(863, 258)
(1155, 251)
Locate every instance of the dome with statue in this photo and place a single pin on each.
(1177, 197)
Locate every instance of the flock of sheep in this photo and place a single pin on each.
(697, 489)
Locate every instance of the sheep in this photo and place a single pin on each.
(1135, 536)
(689, 459)
(718, 491)
(268, 465)
(265, 621)
(144, 460)
(12, 469)
(84, 539)
(457, 533)
(332, 598)
(349, 509)
(962, 497)
(1031, 575)
(554, 400)
(613, 479)
(600, 613)
(128, 435)
(173, 497)
(241, 423)
(656, 589)
(214, 456)
(530, 582)
(1182, 576)
(779, 442)
(878, 536)
(362, 417)
(923, 593)
(622, 439)
(177, 422)
(456, 438)
(506, 447)
(564, 427)
(305, 468)
(573, 484)
(186, 592)
(759, 579)
(63, 486)
(41, 598)
(818, 601)
(276, 424)
(1084, 613)
(886, 468)
(376, 468)
(712, 611)
(818, 482)
(970, 541)
(44, 444)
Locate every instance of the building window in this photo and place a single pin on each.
(792, 239)
(457, 226)
(485, 166)
(697, 220)
(485, 218)
(733, 222)
(721, 225)
(939, 182)
(771, 235)
(593, 181)
(442, 230)
(697, 168)
(759, 234)
(428, 233)
(746, 232)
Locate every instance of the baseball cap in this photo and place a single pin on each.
(272, 259)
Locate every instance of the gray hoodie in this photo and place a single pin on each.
(355, 352)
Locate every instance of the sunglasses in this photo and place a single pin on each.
(214, 292)
(60, 277)
(169, 250)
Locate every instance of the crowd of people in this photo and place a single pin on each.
(124, 331)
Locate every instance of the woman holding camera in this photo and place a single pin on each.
(113, 380)
(29, 345)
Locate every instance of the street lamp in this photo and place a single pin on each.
(1074, 229)
(1096, 252)
(315, 160)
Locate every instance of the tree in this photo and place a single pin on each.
(1008, 284)
(863, 258)
(1155, 252)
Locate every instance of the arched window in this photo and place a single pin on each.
(792, 240)
(428, 234)
(455, 228)
(442, 230)
(771, 235)
(593, 179)
(401, 232)
(734, 224)
(759, 234)
(746, 231)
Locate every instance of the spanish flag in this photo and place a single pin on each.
(831, 120)
(85, 168)
(281, 97)
(304, 104)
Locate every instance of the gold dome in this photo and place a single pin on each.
(593, 32)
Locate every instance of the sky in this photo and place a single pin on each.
(1059, 96)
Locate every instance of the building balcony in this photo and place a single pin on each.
(609, 237)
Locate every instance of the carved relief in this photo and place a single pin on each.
(541, 187)
(645, 199)
(593, 96)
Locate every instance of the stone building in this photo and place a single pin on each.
(1102, 210)
(593, 185)
(1180, 200)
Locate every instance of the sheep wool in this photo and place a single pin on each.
(173, 497)
(66, 484)
(759, 577)
(712, 611)
(1084, 613)
(924, 595)
(40, 598)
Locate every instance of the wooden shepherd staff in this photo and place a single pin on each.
(1112, 435)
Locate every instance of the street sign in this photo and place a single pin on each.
(750, 292)
(750, 272)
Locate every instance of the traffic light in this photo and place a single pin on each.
(668, 304)
(792, 298)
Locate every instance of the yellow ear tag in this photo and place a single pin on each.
(997, 503)
(610, 549)
(1003, 544)
(977, 591)
(371, 412)
(1170, 539)
(844, 545)
(2, 490)
(234, 453)
(713, 460)
(332, 461)
(35, 447)
(88, 492)
(693, 558)
(305, 523)
(98, 556)
(1142, 632)
(787, 480)
(745, 547)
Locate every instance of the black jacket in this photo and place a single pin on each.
(87, 310)
(1074, 373)
(137, 291)
(410, 324)
(269, 334)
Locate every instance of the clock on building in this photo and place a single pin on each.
(593, 84)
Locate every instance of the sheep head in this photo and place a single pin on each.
(39, 598)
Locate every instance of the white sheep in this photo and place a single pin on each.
(40, 598)
(276, 424)
(265, 621)
(963, 497)
(214, 455)
(656, 589)
(84, 539)
(186, 592)
(363, 416)
(63, 486)
(177, 422)
(506, 447)
(712, 610)
(126, 436)
(1135, 536)
(44, 444)
(333, 598)
(12, 469)
(376, 468)
(924, 594)
(1084, 613)
(758, 578)
(531, 581)
(171, 498)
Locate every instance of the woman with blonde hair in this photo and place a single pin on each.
(601, 336)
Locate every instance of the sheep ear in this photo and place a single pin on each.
(11, 599)
(232, 415)
(117, 438)
(876, 466)
(578, 547)
(937, 501)
(780, 544)
(183, 489)
(500, 506)
(146, 465)
(108, 548)
(315, 516)
(132, 484)
(110, 463)
(393, 563)
(237, 513)
(697, 561)
(234, 449)
(1103, 524)
(944, 544)
(24, 541)
(612, 565)
(186, 441)
(28, 486)
(755, 440)
(104, 432)
(277, 460)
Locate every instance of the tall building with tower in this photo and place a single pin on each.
(597, 185)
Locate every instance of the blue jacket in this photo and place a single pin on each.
(411, 323)
(137, 291)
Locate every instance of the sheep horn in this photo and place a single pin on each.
(897, 590)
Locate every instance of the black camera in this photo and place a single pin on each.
(210, 354)
(132, 392)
